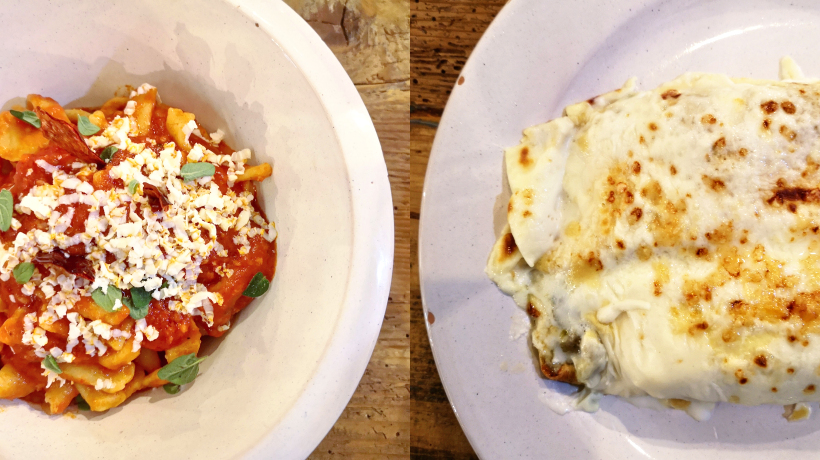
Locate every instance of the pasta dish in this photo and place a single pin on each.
(127, 232)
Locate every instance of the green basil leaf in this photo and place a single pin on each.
(51, 364)
(109, 152)
(22, 272)
(193, 171)
(140, 300)
(6, 208)
(258, 286)
(171, 388)
(81, 403)
(164, 284)
(181, 370)
(127, 302)
(132, 186)
(107, 300)
(85, 126)
(28, 116)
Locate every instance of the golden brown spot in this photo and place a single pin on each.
(594, 262)
(524, 157)
(702, 252)
(652, 192)
(620, 244)
(790, 370)
(526, 213)
(653, 127)
(722, 234)
(740, 377)
(699, 327)
(643, 252)
(642, 140)
(673, 170)
(766, 123)
(636, 168)
(769, 106)
(719, 145)
(809, 389)
(788, 107)
(787, 133)
(611, 197)
(793, 209)
(573, 229)
(509, 207)
(708, 119)
(509, 244)
(774, 389)
(716, 185)
(532, 311)
(760, 360)
(629, 198)
(794, 194)
(431, 318)
(742, 152)
(460, 80)
(634, 216)
(792, 338)
(674, 94)
(679, 404)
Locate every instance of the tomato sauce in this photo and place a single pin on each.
(173, 327)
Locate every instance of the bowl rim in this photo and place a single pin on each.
(348, 352)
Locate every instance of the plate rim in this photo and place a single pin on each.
(357, 329)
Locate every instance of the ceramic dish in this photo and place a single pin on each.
(534, 59)
(279, 379)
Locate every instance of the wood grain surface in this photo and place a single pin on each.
(404, 57)
(442, 35)
(371, 39)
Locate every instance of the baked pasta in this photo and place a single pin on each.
(128, 232)
(665, 243)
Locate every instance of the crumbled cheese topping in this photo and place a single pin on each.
(104, 384)
(128, 243)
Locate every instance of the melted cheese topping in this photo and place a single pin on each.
(666, 242)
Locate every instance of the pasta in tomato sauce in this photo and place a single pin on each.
(127, 233)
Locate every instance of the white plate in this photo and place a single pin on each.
(535, 58)
(283, 374)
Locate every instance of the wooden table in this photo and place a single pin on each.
(400, 409)
(442, 34)
(371, 39)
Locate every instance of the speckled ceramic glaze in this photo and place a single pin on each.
(280, 378)
(535, 58)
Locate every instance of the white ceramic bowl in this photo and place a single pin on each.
(280, 378)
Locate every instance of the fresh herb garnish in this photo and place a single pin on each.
(132, 186)
(109, 152)
(140, 300)
(6, 206)
(258, 286)
(28, 116)
(51, 364)
(81, 403)
(181, 370)
(193, 171)
(22, 272)
(107, 300)
(85, 126)
(171, 388)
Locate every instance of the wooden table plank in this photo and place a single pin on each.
(443, 33)
(371, 39)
